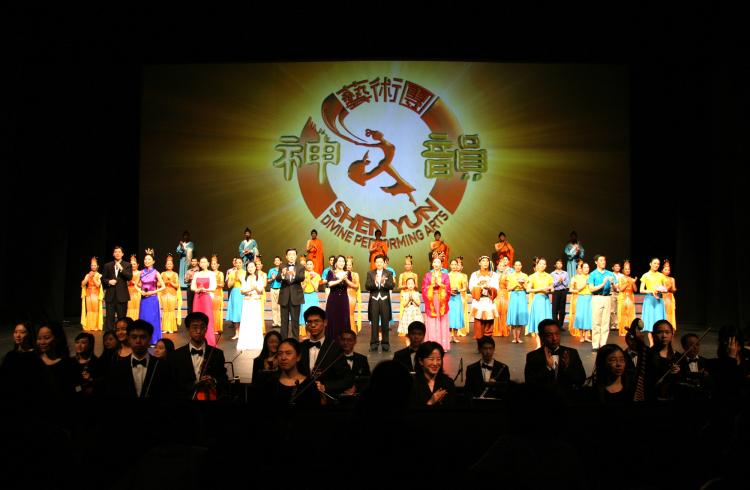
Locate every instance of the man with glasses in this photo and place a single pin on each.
(198, 362)
(321, 357)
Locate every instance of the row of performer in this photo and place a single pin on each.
(501, 302)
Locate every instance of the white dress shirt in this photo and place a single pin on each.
(378, 282)
(139, 373)
(197, 360)
(314, 351)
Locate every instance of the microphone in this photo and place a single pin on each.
(460, 370)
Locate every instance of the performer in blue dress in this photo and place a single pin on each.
(185, 253)
(653, 286)
(234, 278)
(150, 284)
(248, 248)
(574, 252)
(518, 305)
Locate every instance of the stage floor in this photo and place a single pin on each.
(514, 355)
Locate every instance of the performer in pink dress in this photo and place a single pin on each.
(436, 289)
(204, 285)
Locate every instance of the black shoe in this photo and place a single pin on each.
(373, 347)
(386, 347)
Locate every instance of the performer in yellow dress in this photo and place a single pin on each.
(501, 329)
(465, 297)
(625, 300)
(539, 286)
(355, 297)
(218, 298)
(459, 286)
(653, 286)
(134, 303)
(170, 298)
(92, 295)
(582, 322)
(670, 305)
(573, 288)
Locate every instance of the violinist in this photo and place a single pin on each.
(321, 356)
(662, 371)
(198, 368)
(289, 387)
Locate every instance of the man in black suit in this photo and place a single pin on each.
(379, 283)
(487, 378)
(356, 362)
(140, 375)
(291, 296)
(115, 282)
(554, 365)
(407, 356)
(322, 357)
(198, 362)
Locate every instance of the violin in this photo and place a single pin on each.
(205, 389)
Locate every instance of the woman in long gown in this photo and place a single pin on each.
(149, 285)
(574, 253)
(171, 298)
(411, 299)
(436, 288)
(653, 286)
(204, 285)
(483, 286)
(235, 276)
(500, 328)
(572, 287)
(310, 289)
(580, 287)
(251, 325)
(465, 298)
(518, 309)
(540, 285)
(337, 306)
(355, 297)
(626, 299)
(134, 303)
(218, 295)
(92, 296)
(456, 301)
(314, 251)
(670, 306)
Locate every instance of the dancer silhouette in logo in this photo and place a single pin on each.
(359, 174)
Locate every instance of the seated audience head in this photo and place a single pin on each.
(24, 337)
(139, 337)
(430, 356)
(52, 342)
(315, 322)
(549, 331)
(487, 348)
(84, 344)
(197, 324)
(416, 333)
(163, 348)
(347, 341)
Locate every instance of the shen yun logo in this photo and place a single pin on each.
(389, 156)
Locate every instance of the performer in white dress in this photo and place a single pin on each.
(251, 325)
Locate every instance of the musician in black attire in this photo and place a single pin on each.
(17, 368)
(553, 365)
(730, 370)
(86, 364)
(267, 362)
(197, 362)
(488, 377)
(54, 372)
(322, 358)
(613, 384)
(432, 387)
(356, 362)
(662, 371)
(288, 387)
(140, 375)
(695, 380)
(408, 356)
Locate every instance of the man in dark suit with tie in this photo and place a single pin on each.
(197, 361)
(115, 282)
(407, 356)
(291, 296)
(487, 378)
(140, 375)
(553, 365)
(322, 357)
(379, 283)
(356, 362)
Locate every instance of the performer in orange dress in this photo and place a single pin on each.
(378, 246)
(170, 298)
(503, 249)
(439, 250)
(574, 287)
(500, 328)
(134, 303)
(670, 306)
(626, 300)
(459, 285)
(355, 297)
(465, 298)
(314, 251)
(218, 294)
(92, 295)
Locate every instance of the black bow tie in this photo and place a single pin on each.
(349, 358)
(486, 366)
(315, 344)
(694, 360)
(196, 352)
(141, 362)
